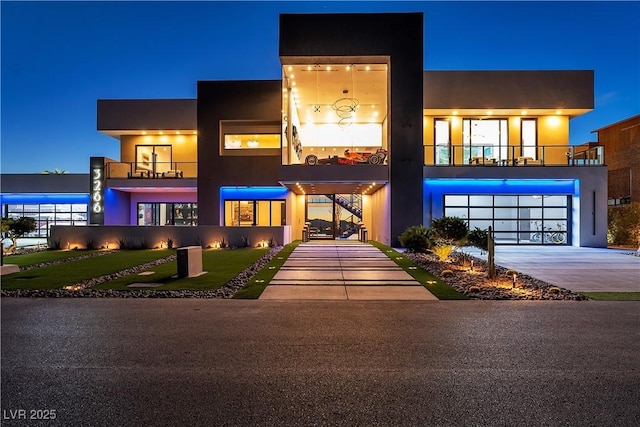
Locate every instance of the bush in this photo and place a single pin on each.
(446, 273)
(624, 224)
(478, 238)
(451, 229)
(416, 239)
(443, 251)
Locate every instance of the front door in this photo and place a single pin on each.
(334, 216)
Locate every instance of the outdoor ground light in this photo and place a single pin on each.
(106, 244)
(514, 280)
(431, 282)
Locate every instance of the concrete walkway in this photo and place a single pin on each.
(342, 270)
(574, 268)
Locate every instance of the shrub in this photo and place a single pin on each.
(223, 244)
(245, 242)
(55, 244)
(624, 224)
(170, 243)
(446, 273)
(443, 251)
(144, 243)
(474, 288)
(272, 242)
(478, 238)
(91, 245)
(122, 243)
(451, 229)
(416, 239)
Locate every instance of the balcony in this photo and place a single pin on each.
(156, 170)
(493, 155)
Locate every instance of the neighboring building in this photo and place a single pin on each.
(621, 141)
(51, 199)
(356, 134)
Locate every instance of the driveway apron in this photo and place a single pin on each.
(343, 270)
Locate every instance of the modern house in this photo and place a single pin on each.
(621, 140)
(356, 134)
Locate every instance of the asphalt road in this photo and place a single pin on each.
(188, 362)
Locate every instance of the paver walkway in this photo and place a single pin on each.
(343, 270)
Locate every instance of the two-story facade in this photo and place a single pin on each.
(357, 133)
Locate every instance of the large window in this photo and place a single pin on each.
(485, 139)
(167, 214)
(48, 214)
(329, 108)
(254, 212)
(515, 219)
(152, 160)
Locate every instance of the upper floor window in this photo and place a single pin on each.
(334, 111)
(485, 139)
(249, 138)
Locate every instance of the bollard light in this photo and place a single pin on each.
(514, 280)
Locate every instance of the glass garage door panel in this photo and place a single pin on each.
(515, 219)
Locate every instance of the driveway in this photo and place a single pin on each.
(574, 268)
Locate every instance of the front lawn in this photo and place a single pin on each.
(69, 273)
(255, 287)
(612, 296)
(33, 258)
(221, 266)
(437, 287)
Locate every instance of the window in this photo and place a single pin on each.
(485, 139)
(48, 214)
(442, 137)
(529, 138)
(249, 138)
(254, 212)
(168, 214)
(153, 159)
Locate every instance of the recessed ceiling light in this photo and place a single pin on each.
(290, 68)
(160, 132)
(558, 111)
(455, 113)
(523, 112)
(144, 132)
(367, 68)
(328, 68)
(308, 67)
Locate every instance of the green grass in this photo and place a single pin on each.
(26, 260)
(438, 288)
(612, 296)
(220, 265)
(71, 272)
(259, 282)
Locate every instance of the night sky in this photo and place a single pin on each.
(58, 58)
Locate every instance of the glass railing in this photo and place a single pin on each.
(493, 155)
(151, 170)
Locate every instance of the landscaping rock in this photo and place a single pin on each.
(475, 283)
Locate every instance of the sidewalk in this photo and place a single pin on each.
(342, 270)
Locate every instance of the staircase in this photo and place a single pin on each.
(352, 204)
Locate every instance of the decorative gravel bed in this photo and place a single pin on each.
(476, 284)
(83, 289)
(60, 261)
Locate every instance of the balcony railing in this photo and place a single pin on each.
(151, 170)
(493, 155)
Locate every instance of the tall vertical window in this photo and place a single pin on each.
(487, 139)
(442, 137)
(529, 138)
